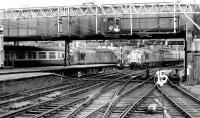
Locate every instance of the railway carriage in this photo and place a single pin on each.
(29, 56)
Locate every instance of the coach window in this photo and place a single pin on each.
(63, 55)
(31, 55)
(82, 56)
(20, 55)
(42, 55)
(60, 55)
(52, 55)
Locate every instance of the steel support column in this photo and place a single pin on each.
(174, 16)
(121, 53)
(1, 46)
(185, 49)
(67, 55)
(131, 22)
(96, 19)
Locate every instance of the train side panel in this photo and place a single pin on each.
(30, 57)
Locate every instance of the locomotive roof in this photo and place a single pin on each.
(95, 49)
(31, 48)
(35, 48)
(149, 50)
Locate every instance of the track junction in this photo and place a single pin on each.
(119, 94)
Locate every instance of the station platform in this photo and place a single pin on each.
(51, 68)
(14, 83)
(21, 75)
(23, 79)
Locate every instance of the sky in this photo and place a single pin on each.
(5, 4)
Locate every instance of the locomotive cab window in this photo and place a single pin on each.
(117, 22)
(31, 55)
(52, 55)
(146, 56)
(42, 55)
(82, 56)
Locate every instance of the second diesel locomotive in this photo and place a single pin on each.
(145, 57)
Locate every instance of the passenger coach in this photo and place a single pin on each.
(29, 56)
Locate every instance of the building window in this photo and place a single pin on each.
(31, 55)
(42, 55)
(20, 55)
(52, 55)
(82, 56)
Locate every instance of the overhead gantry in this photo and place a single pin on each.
(163, 8)
(105, 10)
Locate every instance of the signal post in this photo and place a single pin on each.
(1, 46)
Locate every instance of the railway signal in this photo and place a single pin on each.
(59, 20)
(59, 25)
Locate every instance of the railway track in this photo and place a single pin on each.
(19, 94)
(184, 101)
(82, 96)
(22, 96)
(114, 75)
(121, 101)
(34, 98)
(38, 105)
(164, 108)
(95, 101)
(171, 102)
(68, 80)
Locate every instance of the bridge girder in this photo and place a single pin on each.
(107, 10)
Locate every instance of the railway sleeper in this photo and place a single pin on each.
(140, 108)
(47, 108)
(33, 112)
